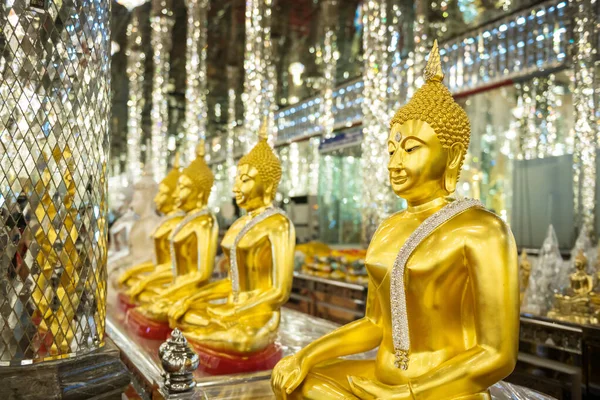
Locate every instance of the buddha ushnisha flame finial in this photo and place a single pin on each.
(200, 149)
(177, 160)
(171, 179)
(433, 69)
(263, 133)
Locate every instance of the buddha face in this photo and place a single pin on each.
(580, 264)
(137, 202)
(188, 196)
(249, 189)
(417, 162)
(164, 199)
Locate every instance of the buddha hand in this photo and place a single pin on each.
(159, 305)
(137, 289)
(124, 277)
(178, 310)
(288, 374)
(221, 311)
(364, 388)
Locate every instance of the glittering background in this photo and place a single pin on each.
(54, 107)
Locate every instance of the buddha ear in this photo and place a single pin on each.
(268, 194)
(455, 156)
(202, 198)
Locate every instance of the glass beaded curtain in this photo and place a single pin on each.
(54, 96)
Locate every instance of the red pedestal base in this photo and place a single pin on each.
(147, 328)
(217, 363)
(125, 303)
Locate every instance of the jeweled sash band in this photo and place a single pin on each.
(180, 226)
(233, 268)
(400, 328)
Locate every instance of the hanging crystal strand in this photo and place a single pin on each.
(583, 50)
(135, 72)
(377, 197)
(531, 129)
(417, 57)
(330, 56)
(162, 24)
(259, 85)
(552, 148)
(231, 127)
(398, 81)
(195, 66)
(516, 121)
(270, 80)
(527, 120)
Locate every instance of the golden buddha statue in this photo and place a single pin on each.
(260, 250)
(443, 298)
(165, 203)
(595, 294)
(193, 246)
(574, 304)
(524, 271)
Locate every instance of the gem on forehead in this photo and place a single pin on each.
(398, 137)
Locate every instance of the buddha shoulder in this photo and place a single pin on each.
(278, 223)
(479, 225)
(198, 224)
(207, 219)
(165, 228)
(273, 225)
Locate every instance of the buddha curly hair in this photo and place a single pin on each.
(171, 179)
(433, 103)
(200, 175)
(266, 163)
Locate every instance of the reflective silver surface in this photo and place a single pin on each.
(54, 107)
(295, 332)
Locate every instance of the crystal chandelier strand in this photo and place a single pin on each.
(162, 25)
(135, 73)
(419, 53)
(259, 81)
(584, 15)
(330, 56)
(230, 167)
(195, 93)
(377, 197)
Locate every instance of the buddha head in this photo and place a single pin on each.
(429, 137)
(195, 183)
(167, 189)
(144, 190)
(258, 175)
(580, 261)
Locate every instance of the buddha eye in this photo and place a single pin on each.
(411, 149)
(391, 149)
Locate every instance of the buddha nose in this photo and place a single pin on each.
(396, 161)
